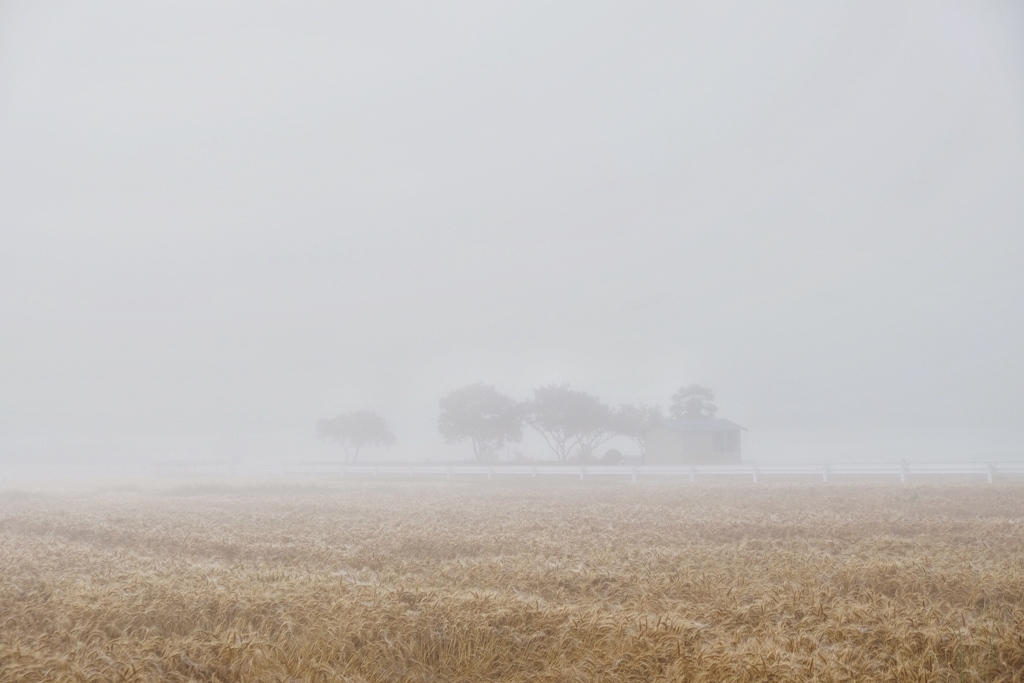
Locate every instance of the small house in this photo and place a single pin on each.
(703, 441)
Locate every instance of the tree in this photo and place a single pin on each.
(634, 421)
(482, 414)
(569, 420)
(693, 403)
(355, 430)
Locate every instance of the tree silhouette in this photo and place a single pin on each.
(484, 416)
(355, 430)
(634, 421)
(569, 420)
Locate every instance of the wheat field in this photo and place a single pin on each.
(419, 581)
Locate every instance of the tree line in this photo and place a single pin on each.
(573, 423)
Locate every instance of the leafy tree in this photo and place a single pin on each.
(569, 420)
(634, 421)
(355, 430)
(482, 414)
(693, 403)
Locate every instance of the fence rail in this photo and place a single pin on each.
(748, 471)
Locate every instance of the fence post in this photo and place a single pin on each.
(693, 474)
(824, 474)
(489, 470)
(904, 470)
(991, 471)
(534, 472)
(755, 474)
(634, 475)
(582, 471)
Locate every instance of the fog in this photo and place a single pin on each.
(222, 222)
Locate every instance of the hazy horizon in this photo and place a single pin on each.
(220, 223)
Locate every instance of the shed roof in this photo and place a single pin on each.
(710, 424)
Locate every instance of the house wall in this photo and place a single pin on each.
(662, 447)
(666, 446)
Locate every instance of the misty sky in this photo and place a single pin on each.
(220, 222)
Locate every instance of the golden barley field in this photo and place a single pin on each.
(467, 581)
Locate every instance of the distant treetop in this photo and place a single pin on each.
(693, 402)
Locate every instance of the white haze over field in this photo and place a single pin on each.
(220, 222)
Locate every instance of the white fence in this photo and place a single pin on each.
(741, 471)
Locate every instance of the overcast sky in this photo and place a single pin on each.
(220, 222)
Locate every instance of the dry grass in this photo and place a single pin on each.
(424, 582)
